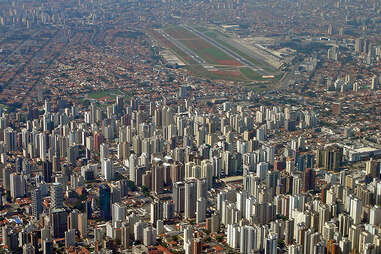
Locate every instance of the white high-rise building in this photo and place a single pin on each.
(375, 215)
(201, 210)
(107, 169)
(241, 202)
(242, 146)
(47, 106)
(82, 224)
(374, 83)
(190, 199)
(271, 244)
(296, 202)
(290, 166)
(29, 249)
(233, 235)
(103, 151)
(138, 231)
(217, 166)
(202, 188)
(43, 146)
(188, 235)
(261, 133)
(244, 235)
(355, 210)
(249, 211)
(378, 192)
(149, 236)
(132, 164)
(295, 249)
(207, 172)
(345, 245)
(262, 169)
(159, 227)
(270, 150)
(296, 185)
(247, 239)
(119, 212)
(259, 117)
(10, 140)
(221, 197)
(17, 185)
(188, 247)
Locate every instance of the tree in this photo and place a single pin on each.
(119, 176)
(219, 238)
(281, 244)
(131, 185)
(8, 195)
(145, 190)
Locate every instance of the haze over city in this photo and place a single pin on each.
(200, 126)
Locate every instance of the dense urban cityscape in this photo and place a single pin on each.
(202, 126)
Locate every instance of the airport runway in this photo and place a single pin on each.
(186, 50)
(226, 50)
